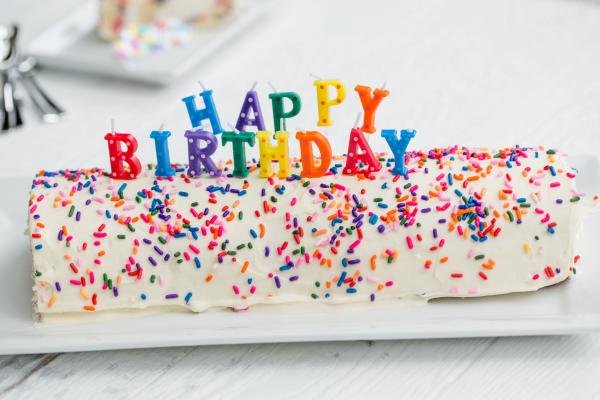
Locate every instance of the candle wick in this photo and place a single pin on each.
(273, 87)
(383, 86)
(112, 126)
(232, 127)
(358, 117)
(315, 76)
(160, 128)
(202, 86)
(254, 86)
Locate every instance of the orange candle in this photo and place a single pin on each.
(370, 103)
(310, 169)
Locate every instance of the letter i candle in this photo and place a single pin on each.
(294, 229)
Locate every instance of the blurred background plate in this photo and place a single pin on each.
(71, 44)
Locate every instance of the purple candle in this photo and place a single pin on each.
(250, 114)
(200, 156)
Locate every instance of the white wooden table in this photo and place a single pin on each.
(470, 72)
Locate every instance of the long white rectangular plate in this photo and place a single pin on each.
(567, 308)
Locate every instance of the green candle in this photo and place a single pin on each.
(239, 150)
(279, 113)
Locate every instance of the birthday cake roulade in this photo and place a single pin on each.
(455, 222)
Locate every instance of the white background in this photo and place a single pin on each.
(470, 72)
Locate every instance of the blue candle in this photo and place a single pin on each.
(398, 146)
(209, 112)
(163, 160)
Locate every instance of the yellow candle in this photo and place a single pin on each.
(269, 153)
(323, 100)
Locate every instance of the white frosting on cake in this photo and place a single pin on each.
(212, 265)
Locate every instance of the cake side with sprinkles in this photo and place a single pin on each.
(460, 223)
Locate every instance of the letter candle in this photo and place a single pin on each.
(323, 100)
(398, 147)
(370, 104)
(123, 164)
(163, 161)
(200, 156)
(238, 141)
(209, 112)
(251, 106)
(309, 168)
(279, 113)
(269, 153)
(360, 158)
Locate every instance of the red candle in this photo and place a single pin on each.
(123, 164)
(360, 158)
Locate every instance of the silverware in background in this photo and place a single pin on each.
(10, 115)
(46, 108)
(16, 70)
